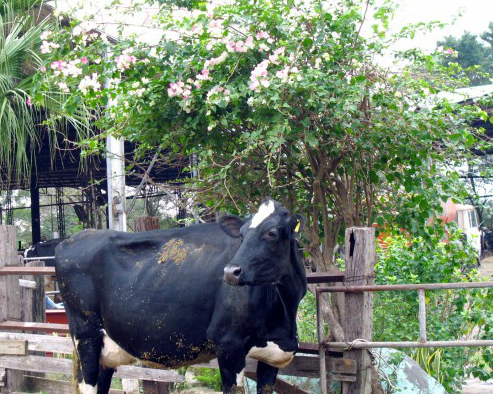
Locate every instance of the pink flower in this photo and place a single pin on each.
(449, 51)
(239, 47)
(57, 65)
(262, 34)
(204, 75)
(28, 101)
(176, 89)
(43, 69)
(254, 85)
(84, 60)
(230, 46)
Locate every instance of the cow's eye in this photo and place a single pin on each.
(272, 233)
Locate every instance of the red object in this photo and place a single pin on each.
(56, 316)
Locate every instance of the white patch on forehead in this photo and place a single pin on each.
(113, 355)
(265, 210)
(272, 354)
(240, 378)
(87, 388)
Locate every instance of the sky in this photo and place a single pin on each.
(476, 15)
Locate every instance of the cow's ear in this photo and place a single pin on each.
(296, 224)
(231, 225)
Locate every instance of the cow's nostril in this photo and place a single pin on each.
(232, 274)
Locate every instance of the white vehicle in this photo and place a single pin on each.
(467, 220)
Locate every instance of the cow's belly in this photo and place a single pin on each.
(112, 356)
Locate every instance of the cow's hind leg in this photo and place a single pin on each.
(88, 340)
(266, 378)
(88, 351)
(104, 380)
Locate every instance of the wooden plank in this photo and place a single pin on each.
(29, 284)
(312, 348)
(302, 365)
(326, 277)
(281, 386)
(25, 326)
(344, 378)
(65, 367)
(4, 271)
(342, 365)
(13, 348)
(150, 387)
(36, 384)
(358, 323)
(42, 343)
(130, 386)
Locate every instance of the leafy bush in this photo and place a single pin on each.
(451, 314)
(209, 377)
(306, 320)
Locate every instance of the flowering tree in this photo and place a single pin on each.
(283, 99)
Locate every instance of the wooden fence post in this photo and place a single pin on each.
(130, 386)
(152, 387)
(10, 296)
(358, 323)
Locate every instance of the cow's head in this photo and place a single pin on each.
(264, 255)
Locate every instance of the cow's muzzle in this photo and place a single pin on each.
(232, 275)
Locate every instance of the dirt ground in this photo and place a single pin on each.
(473, 385)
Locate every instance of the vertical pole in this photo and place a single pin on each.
(422, 315)
(115, 170)
(321, 345)
(358, 323)
(10, 296)
(35, 211)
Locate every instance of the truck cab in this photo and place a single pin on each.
(467, 220)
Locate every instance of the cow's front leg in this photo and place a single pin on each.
(232, 368)
(266, 378)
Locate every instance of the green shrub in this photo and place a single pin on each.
(451, 314)
(209, 377)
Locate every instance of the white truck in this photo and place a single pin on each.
(467, 220)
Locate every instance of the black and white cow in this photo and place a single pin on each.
(44, 249)
(182, 296)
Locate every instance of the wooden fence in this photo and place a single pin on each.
(28, 359)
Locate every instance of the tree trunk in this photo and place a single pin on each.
(146, 223)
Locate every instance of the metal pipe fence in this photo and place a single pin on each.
(365, 344)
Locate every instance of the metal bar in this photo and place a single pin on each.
(422, 315)
(60, 215)
(421, 286)
(321, 346)
(371, 345)
(326, 277)
(38, 258)
(47, 271)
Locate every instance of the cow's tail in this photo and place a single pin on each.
(77, 370)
